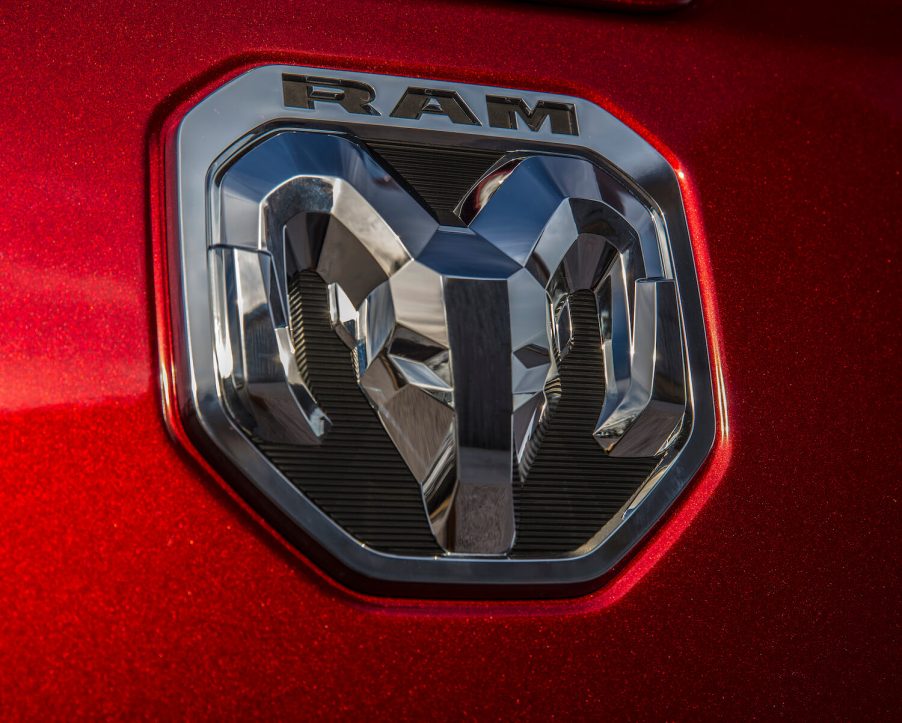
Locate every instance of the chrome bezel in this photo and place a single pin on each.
(235, 115)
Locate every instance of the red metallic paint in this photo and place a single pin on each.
(638, 6)
(133, 582)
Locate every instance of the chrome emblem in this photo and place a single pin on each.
(448, 337)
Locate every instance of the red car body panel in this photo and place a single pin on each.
(134, 581)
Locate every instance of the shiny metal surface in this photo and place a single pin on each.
(258, 375)
(408, 297)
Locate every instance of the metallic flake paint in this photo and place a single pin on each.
(132, 582)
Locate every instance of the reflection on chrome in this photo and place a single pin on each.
(258, 372)
(456, 333)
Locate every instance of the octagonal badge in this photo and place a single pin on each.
(447, 338)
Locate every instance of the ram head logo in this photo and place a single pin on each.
(456, 332)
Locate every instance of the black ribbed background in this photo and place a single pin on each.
(572, 488)
(356, 476)
(441, 175)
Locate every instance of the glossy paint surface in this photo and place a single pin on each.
(132, 581)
